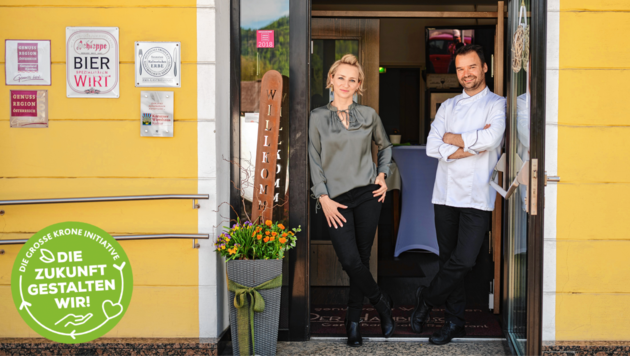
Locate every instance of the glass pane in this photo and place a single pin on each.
(518, 153)
(325, 53)
(264, 47)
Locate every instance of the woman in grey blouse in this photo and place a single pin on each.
(350, 187)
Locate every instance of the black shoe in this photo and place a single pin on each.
(420, 315)
(448, 332)
(353, 331)
(384, 308)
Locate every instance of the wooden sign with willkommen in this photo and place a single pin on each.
(267, 154)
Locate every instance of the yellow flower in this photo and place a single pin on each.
(281, 226)
(268, 223)
(232, 251)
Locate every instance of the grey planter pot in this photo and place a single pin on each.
(251, 273)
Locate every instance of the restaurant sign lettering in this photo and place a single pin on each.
(92, 62)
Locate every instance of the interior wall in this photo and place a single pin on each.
(402, 40)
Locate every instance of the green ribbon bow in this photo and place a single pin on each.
(246, 309)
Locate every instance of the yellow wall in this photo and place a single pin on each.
(593, 240)
(93, 147)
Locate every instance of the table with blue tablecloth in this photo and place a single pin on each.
(417, 225)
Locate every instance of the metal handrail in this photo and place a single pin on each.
(115, 198)
(129, 237)
(103, 199)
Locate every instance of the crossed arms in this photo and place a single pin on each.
(448, 146)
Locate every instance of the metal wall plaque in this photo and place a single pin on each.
(29, 108)
(156, 113)
(27, 62)
(92, 62)
(158, 64)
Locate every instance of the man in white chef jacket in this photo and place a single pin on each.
(466, 138)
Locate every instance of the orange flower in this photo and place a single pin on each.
(259, 237)
(267, 233)
(253, 233)
(268, 223)
(282, 240)
(281, 226)
(272, 238)
(266, 239)
(284, 234)
(274, 233)
(291, 232)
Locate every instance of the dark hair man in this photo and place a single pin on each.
(465, 136)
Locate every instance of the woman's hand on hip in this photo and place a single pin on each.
(333, 216)
(380, 180)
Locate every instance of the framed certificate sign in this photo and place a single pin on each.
(158, 64)
(29, 108)
(156, 113)
(27, 62)
(92, 63)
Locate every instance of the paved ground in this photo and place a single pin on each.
(339, 348)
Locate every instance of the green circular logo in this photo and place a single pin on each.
(72, 282)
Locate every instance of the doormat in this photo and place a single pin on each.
(327, 320)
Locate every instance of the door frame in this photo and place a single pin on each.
(535, 223)
(299, 99)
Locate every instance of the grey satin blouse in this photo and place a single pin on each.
(340, 158)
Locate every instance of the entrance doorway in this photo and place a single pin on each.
(522, 277)
(406, 97)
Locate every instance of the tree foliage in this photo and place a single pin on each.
(255, 62)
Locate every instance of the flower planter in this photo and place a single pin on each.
(252, 273)
(395, 139)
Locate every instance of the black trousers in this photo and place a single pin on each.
(353, 244)
(460, 234)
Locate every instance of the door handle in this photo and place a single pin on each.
(534, 188)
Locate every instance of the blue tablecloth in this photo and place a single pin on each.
(417, 220)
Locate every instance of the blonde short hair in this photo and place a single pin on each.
(348, 59)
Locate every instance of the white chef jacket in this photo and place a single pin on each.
(465, 183)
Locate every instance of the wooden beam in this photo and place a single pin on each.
(499, 49)
(410, 14)
(500, 52)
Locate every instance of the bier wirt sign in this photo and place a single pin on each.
(92, 62)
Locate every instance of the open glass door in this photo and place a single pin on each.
(519, 211)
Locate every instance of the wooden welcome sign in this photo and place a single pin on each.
(267, 153)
